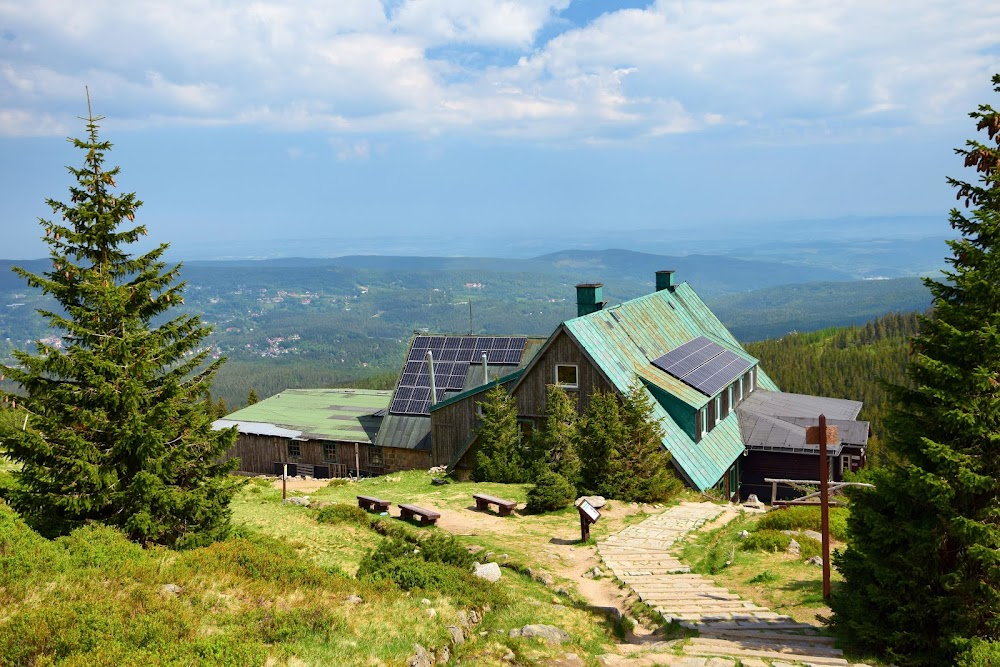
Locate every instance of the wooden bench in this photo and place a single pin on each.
(483, 502)
(370, 502)
(410, 511)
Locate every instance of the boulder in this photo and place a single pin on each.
(744, 534)
(541, 576)
(549, 633)
(815, 560)
(457, 636)
(421, 658)
(354, 599)
(813, 534)
(597, 502)
(443, 655)
(172, 589)
(439, 481)
(754, 502)
(487, 571)
(431, 612)
(794, 548)
(301, 501)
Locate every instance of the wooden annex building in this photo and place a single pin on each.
(317, 432)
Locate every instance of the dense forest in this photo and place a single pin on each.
(849, 362)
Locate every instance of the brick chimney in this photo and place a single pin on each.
(588, 298)
(665, 280)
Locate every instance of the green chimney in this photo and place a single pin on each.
(665, 280)
(588, 298)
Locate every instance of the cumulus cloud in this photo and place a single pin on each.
(364, 67)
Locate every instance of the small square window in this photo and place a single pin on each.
(566, 376)
(375, 459)
(329, 453)
(294, 451)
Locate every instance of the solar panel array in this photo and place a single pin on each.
(704, 365)
(452, 356)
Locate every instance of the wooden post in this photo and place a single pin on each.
(284, 480)
(357, 464)
(584, 528)
(824, 506)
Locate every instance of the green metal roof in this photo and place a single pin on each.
(623, 341)
(320, 414)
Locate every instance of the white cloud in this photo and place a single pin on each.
(779, 67)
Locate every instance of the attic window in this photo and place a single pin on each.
(566, 376)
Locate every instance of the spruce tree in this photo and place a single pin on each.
(640, 468)
(557, 439)
(252, 397)
(601, 429)
(120, 421)
(922, 572)
(500, 457)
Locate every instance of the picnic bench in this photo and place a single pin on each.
(410, 511)
(370, 502)
(483, 502)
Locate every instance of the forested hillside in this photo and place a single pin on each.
(849, 362)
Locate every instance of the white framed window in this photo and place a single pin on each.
(718, 408)
(567, 376)
(753, 378)
(703, 418)
(739, 386)
(729, 391)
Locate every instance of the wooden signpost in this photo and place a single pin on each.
(588, 515)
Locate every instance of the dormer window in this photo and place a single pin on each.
(703, 415)
(718, 408)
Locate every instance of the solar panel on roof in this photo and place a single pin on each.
(703, 364)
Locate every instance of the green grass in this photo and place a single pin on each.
(277, 591)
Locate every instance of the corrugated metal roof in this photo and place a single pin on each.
(623, 341)
(346, 415)
(257, 428)
(774, 421)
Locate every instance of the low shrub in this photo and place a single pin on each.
(979, 653)
(343, 513)
(439, 548)
(767, 540)
(806, 518)
(337, 482)
(550, 492)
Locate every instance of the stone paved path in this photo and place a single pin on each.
(729, 628)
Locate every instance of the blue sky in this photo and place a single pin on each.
(436, 119)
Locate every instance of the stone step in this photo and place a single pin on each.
(733, 649)
(697, 607)
(811, 648)
(769, 625)
(767, 635)
(707, 596)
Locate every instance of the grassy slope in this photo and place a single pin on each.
(276, 593)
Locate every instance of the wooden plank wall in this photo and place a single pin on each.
(530, 393)
(258, 454)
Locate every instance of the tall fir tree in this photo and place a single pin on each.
(922, 573)
(120, 421)
(640, 469)
(557, 439)
(601, 429)
(500, 456)
(252, 397)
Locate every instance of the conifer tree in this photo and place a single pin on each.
(120, 421)
(640, 467)
(922, 573)
(500, 457)
(601, 429)
(557, 439)
(252, 397)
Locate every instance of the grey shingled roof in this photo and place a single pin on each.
(776, 421)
